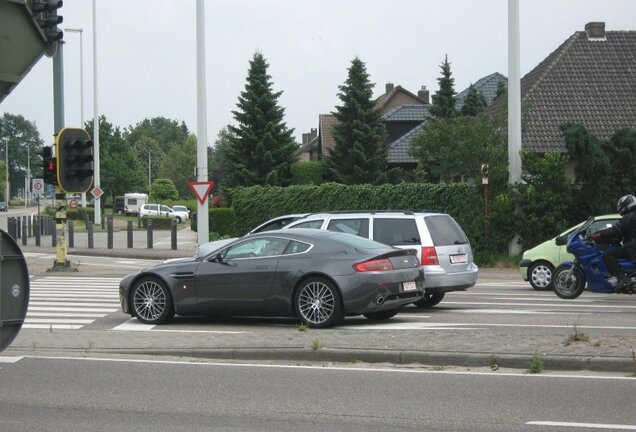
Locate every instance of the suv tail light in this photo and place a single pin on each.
(429, 256)
(374, 265)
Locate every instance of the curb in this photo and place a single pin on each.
(397, 357)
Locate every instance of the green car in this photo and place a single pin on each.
(537, 264)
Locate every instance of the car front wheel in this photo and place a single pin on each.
(151, 301)
(317, 303)
(540, 276)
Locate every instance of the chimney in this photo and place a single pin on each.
(595, 30)
(424, 95)
(389, 88)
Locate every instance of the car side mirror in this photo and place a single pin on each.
(217, 257)
(561, 240)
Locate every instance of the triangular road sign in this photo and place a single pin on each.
(201, 189)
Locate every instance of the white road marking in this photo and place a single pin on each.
(134, 324)
(565, 304)
(583, 425)
(7, 359)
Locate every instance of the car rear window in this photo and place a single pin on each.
(445, 231)
(314, 224)
(396, 232)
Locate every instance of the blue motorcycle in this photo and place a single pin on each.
(570, 278)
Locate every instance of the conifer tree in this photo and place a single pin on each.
(444, 99)
(261, 148)
(474, 103)
(359, 155)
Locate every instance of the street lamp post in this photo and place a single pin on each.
(81, 32)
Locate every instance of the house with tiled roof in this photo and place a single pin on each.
(487, 86)
(589, 79)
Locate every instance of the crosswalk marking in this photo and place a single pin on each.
(69, 303)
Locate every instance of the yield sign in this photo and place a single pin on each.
(201, 189)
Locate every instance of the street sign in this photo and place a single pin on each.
(14, 289)
(73, 203)
(201, 189)
(37, 185)
(97, 192)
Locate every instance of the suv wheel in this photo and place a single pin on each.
(430, 299)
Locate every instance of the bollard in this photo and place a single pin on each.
(36, 228)
(24, 230)
(11, 227)
(18, 230)
(71, 234)
(109, 224)
(53, 232)
(30, 225)
(89, 231)
(149, 234)
(130, 234)
(173, 234)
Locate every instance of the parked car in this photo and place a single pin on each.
(441, 245)
(181, 212)
(158, 210)
(537, 264)
(3, 206)
(315, 276)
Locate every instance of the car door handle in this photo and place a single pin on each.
(262, 266)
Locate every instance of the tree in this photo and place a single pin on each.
(120, 171)
(621, 148)
(444, 99)
(359, 155)
(594, 183)
(149, 155)
(455, 148)
(474, 103)
(22, 139)
(179, 165)
(217, 155)
(501, 87)
(262, 148)
(165, 132)
(163, 189)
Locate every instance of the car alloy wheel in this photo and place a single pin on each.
(151, 301)
(318, 303)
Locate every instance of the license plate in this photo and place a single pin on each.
(409, 286)
(458, 259)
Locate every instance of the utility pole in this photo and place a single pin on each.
(203, 234)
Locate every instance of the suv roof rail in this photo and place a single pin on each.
(406, 212)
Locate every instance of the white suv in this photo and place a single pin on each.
(442, 246)
(158, 210)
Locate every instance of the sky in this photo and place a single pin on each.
(146, 52)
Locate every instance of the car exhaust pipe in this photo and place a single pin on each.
(379, 300)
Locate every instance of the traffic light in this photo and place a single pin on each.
(49, 165)
(74, 150)
(45, 13)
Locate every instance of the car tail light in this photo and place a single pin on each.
(374, 265)
(429, 256)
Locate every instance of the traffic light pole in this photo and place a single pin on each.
(61, 261)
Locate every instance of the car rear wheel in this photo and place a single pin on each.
(381, 315)
(430, 299)
(318, 303)
(151, 301)
(540, 276)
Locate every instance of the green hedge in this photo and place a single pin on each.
(257, 204)
(221, 223)
(307, 172)
(158, 223)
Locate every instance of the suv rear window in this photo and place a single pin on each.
(396, 232)
(359, 227)
(445, 231)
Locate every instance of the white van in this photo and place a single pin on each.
(133, 201)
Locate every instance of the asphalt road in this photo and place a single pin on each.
(114, 395)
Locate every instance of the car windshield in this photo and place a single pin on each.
(179, 208)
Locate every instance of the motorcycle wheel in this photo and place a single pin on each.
(568, 285)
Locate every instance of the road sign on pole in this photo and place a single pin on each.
(201, 189)
(37, 185)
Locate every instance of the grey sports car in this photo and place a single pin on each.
(315, 276)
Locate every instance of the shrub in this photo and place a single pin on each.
(158, 223)
(307, 172)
